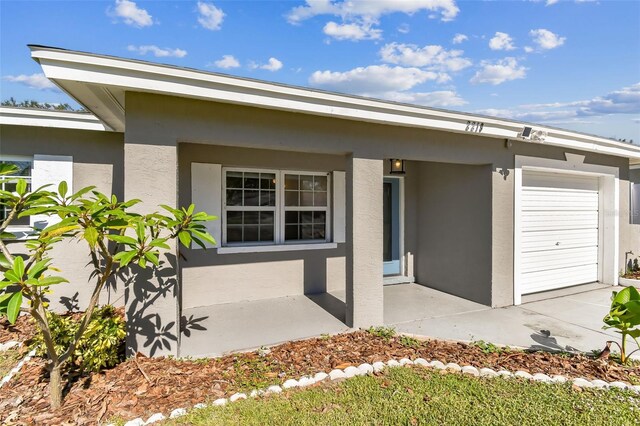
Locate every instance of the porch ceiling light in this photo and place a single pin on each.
(397, 166)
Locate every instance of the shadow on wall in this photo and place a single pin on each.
(150, 300)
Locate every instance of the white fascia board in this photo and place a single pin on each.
(47, 118)
(163, 79)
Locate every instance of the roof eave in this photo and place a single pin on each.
(83, 71)
(48, 118)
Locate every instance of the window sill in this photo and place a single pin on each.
(22, 232)
(276, 248)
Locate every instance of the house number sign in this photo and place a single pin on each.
(474, 126)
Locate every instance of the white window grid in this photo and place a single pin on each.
(279, 209)
(6, 180)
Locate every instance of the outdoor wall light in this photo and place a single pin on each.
(397, 166)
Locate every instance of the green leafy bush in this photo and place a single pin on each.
(624, 316)
(101, 345)
(409, 342)
(385, 333)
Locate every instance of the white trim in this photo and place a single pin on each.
(206, 194)
(609, 217)
(276, 248)
(339, 203)
(47, 118)
(81, 70)
(401, 213)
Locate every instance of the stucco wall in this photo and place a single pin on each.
(154, 117)
(454, 229)
(211, 278)
(97, 161)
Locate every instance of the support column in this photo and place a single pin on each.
(151, 297)
(365, 304)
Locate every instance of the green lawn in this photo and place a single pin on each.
(417, 396)
(8, 360)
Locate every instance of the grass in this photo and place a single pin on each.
(8, 360)
(415, 396)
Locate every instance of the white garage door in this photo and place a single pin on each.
(559, 241)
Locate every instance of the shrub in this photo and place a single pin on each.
(101, 345)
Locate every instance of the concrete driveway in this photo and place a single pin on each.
(568, 323)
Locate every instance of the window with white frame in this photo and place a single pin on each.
(264, 207)
(8, 183)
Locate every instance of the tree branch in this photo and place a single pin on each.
(95, 297)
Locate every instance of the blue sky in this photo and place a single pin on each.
(569, 63)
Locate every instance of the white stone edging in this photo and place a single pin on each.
(365, 369)
(17, 368)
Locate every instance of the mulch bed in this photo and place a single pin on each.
(142, 386)
(632, 275)
(24, 329)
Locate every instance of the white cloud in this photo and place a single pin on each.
(550, 2)
(432, 57)
(501, 41)
(623, 101)
(131, 14)
(352, 31)
(528, 49)
(438, 99)
(404, 28)
(372, 80)
(158, 52)
(386, 82)
(209, 16)
(498, 72)
(459, 38)
(35, 81)
(545, 39)
(227, 61)
(371, 10)
(359, 18)
(272, 65)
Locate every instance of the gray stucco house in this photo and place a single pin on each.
(322, 193)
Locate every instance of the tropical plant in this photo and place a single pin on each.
(116, 239)
(624, 316)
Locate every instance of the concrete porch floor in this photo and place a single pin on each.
(569, 322)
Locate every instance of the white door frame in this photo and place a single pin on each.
(404, 273)
(609, 206)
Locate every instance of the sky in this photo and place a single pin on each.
(573, 64)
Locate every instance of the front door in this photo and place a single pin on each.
(391, 224)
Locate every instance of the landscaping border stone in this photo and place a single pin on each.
(365, 369)
(17, 368)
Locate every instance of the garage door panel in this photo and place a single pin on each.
(558, 278)
(559, 231)
(559, 240)
(547, 260)
(559, 181)
(555, 221)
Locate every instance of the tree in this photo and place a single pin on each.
(116, 239)
(11, 102)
